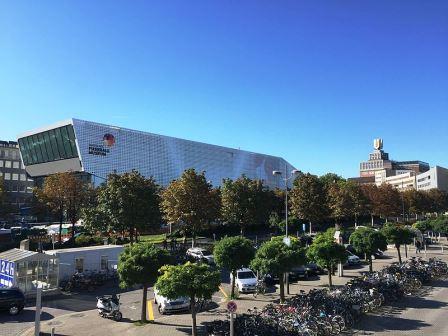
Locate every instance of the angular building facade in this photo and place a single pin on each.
(96, 150)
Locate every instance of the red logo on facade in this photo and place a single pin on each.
(108, 139)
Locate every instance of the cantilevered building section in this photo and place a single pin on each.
(96, 150)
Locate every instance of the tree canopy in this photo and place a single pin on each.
(368, 241)
(139, 264)
(276, 258)
(398, 235)
(233, 253)
(327, 253)
(130, 202)
(195, 281)
(308, 200)
(190, 202)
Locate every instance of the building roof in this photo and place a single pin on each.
(81, 249)
(15, 255)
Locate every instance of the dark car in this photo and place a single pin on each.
(313, 269)
(297, 273)
(12, 300)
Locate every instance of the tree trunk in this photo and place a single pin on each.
(145, 298)
(310, 228)
(399, 253)
(61, 219)
(232, 294)
(330, 273)
(193, 315)
(281, 279)
(193, 239)
(73, 232)
(370, 264)
(131, 235)
(371, 217)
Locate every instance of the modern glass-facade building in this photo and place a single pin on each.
(97, 150)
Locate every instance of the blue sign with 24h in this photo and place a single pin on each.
(6, 273)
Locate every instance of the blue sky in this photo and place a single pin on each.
(311, 81)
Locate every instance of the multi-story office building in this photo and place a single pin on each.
(434, 178)
(96, 150)
(379, 162)
(18, 186)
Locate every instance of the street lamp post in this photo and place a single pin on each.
(286, 179)
(286, 239)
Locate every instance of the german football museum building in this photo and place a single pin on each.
(96, 150)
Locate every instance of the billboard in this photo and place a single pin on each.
(6, 273)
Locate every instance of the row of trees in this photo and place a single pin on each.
(146, 264)
(129, 202)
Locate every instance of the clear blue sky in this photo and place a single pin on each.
(311, 81)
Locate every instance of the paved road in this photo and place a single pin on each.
(426, 314)
(75, 314)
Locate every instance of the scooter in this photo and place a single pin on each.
(109, 307)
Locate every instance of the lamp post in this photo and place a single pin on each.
(286, 179)
(286, 239)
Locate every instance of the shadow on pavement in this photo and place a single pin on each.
(390, 323)
(27, 315)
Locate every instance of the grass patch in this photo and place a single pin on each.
(155, 239)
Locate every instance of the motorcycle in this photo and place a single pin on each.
(109, 307)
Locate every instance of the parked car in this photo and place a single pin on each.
(166, 306)
(12, 300)
(314, 269)
(299, 272)
(245, 281)
(352, 259)
(201, 254)
(378, 255)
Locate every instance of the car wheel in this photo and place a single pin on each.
(14, 310)
(161, 311)
(118, 316)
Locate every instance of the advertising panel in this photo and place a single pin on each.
(6, 273)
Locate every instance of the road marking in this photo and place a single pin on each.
(223, 292)
(150, 310)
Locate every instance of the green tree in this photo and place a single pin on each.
(276, 258)
(139, 264)
(64, 194)
(196, 281)
(339, 201)
(233, 253)
(130, 202)
(388, 201)
(440, 225)
(368, 241)
(245, 202)
(422, 226)
(308, 199)
(327, 253)
(190, 202)
(438, 200)
(398, 235)
(359, 201)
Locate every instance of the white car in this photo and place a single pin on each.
(352, 259)
(166, 306)
(245, 280)
(201, 254)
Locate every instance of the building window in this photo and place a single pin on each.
(1, 163)
(7, 164)
(22, 177)
(15, 177)
(7, 176)
(16, 164)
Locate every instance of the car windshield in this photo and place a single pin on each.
(246, 275)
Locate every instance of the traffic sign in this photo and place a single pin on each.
(231, 306)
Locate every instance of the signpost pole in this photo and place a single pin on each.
(231, 325)
(38, 309)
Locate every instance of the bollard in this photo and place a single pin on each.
(52, 331)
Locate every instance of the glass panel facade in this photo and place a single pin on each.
(52, 145)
